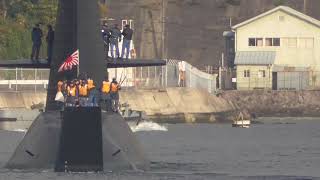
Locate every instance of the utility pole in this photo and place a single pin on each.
(305, 6)
(163, 20)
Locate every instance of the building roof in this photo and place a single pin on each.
(255, 57)
(285, 9)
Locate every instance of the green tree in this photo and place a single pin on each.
(18, 19)
(15, 29)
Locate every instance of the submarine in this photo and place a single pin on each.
(84, 139)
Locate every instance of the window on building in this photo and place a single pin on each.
(246, 73)
(306, 42)
(255, 41)
(276, 41)
(259, 42)
(268, 41)
(272, 41)
(261, 73)
(252, 41)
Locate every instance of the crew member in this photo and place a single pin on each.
(115, 38)
(90, 84)
(106, 38)
(72, 94)
(92, 93)
(65, 89)
(59, 86)
(36, 37)
(50, 39)
(115, 87)
(83, 93)
(127, 37)
(59, 96)
(106, 94)
(182, 74)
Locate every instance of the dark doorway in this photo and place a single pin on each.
(274, 81)
(81, 140)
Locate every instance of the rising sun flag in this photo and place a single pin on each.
(71, 61)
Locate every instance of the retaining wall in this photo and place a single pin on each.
(192, 105)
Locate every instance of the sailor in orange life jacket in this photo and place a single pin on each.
(105, 89)
(72, 94)
(90, 84)
(114, 93)
(83, 93)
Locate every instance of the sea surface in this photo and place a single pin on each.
(276, 148)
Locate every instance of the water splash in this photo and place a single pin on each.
(20, 130)
(148, 126)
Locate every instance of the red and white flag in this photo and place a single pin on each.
(71, 61)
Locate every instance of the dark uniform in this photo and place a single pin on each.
(36, 36)
(127, 37)
(106, 39)
(50, 39)
(115, 38)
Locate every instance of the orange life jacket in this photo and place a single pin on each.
(72, 91)
(105, 87)
(90, 84)
(114, 87)
(59, 86)
(83, 90)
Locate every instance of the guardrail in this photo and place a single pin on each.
(24, 82)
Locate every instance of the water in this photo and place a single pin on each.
(282, 149)
(147, 126)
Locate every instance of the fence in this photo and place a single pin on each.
(280, 80)
(19, 79)
(165, 76)
(140, 77)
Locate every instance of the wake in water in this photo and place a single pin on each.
(20, 130)
(147, 126)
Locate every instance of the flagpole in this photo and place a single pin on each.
(78, 67)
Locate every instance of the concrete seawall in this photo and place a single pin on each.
(181, 104)
(192, 105)
(14, 100)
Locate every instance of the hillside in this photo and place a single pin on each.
(177, 29)
(192, 29)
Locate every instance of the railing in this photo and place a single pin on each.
(140, 77)
(19, 79)
(166, 76)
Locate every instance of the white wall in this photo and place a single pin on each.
(271, 27)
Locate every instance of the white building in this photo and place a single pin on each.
(279, 49)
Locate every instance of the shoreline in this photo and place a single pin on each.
(186, 105)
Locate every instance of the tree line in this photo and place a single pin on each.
(16, 22)
(17, 18)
